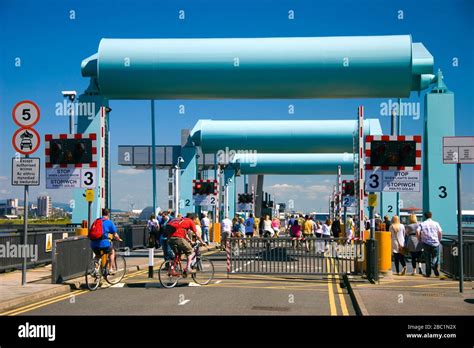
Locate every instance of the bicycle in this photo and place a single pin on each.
(98, 268)
(171, 271)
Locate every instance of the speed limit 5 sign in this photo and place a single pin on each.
(26, 114)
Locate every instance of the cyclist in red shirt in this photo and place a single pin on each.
(180, 241)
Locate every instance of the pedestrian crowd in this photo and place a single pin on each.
(419, 241)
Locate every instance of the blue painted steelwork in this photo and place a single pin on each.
(294, 164)
(439, 180)
(87, 124)
(281, 136)
(237, 68)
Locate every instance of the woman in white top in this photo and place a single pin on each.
(327, 228)
(398, 242)
(267, 226)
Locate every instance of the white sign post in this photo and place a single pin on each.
(459, 150)
(26, 141)
(25, 171)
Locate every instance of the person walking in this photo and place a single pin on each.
(413, 244)
(387, 222)
(430, 233)
(197, 222)
(318, 231)
(349, 229)
(326, 229)
(276, 226)
(308, 228)
(256, 226)
(249, 226)
(397, 231)
(336, 227)
(205, 225)
(168, 253)
(267, 227)
(226, 230)
(153, 229)
(295, 233)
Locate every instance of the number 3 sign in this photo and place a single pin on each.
(88, 178)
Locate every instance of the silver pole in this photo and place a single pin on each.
(460, 236)
(25, 233)
(176, 188)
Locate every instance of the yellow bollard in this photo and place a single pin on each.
(216, 233)
(384, 245)
(385, 251)
(81, 231)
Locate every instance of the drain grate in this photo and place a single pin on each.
(273, 309)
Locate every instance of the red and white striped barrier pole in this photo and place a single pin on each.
(227, 249)
(360, 194)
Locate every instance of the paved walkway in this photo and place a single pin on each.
(415, 295)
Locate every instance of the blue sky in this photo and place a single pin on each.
(51, 47)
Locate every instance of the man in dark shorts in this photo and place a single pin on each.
(180, 241)
(105, 245)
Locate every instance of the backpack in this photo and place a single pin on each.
(96, 231)
(171, 227)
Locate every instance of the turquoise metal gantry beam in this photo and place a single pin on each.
(294, 164)
(260, 68)
(279, 136)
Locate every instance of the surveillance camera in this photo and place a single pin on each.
(180, 159)
(70, 94)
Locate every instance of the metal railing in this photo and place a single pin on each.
(11, 247)
(134, 236)
(70, 258)
(450, 258)
(318, 256)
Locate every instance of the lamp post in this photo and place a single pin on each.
(176, 184)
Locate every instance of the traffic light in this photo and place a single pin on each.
(71, 151)
(249, 198)
(245, 198)
(393, 153)
(203, 188)
(349, 189)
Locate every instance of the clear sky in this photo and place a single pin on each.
(51, 42)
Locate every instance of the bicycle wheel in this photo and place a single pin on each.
(169, 277)
(204, 271)
(119, 273)
(93, 275)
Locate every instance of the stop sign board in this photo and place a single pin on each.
(26, 141)
(26, 114)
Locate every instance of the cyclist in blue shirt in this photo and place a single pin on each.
(109, 234)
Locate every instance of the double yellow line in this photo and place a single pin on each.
(43, 303)
(332, 299)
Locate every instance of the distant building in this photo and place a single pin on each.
(45, 206)
(10, 207)
(12, 202)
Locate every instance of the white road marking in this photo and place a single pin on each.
(118, 285)
(218, 282)
(182, 303)
(194, 284)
